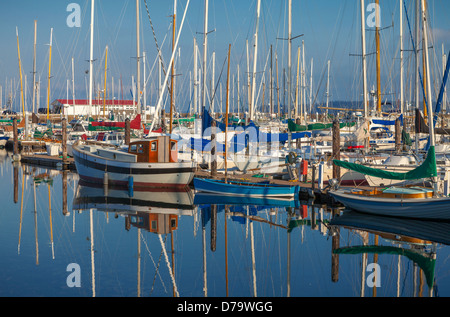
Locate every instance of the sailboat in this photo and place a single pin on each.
(402, 201)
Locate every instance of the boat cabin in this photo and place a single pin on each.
(160, 149)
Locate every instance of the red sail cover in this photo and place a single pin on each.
(134, 124)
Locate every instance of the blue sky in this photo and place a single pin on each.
(331, 31)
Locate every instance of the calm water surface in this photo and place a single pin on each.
(56, 232)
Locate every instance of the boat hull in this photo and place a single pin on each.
(417, 208)
(95, 169)
(244, 189)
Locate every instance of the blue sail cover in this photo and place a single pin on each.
(387, 122)
(244, 135)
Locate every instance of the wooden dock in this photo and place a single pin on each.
(55, 162)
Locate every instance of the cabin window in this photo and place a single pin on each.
(173, 223)
(173, 146)
(154, 225)
(133, 148)
(140, 148)
(153, 146)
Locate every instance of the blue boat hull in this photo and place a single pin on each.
(243, 189)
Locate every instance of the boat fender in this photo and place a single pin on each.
(304, 167)
(291, 157)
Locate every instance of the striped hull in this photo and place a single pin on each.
(92, 168)
(417, 208)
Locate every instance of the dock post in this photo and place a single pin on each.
(16, 155)
(336, 149)
(127, 131)
(398, 136)
(298, 141)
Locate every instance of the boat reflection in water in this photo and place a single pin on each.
(413, 239)
(155, 210)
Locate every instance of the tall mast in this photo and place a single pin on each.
(104, 88)
(73, 82)
(138, 53)
(205, 52)
(91, 58)
(252, 104)
(49, 73)
(401, 59)
(195, 77)
(427, 62)
(271, 81)
(20, 73)
(311, 88)
(303, 81)
(328, 86)
(377, 40)
(289, 56)
(34, 66)
(173, 65)
(364, 70)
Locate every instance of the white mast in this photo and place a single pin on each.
(258, 9)
(427, 61)
(34, 66)
(205, 52)
(401, 58)
(310, 88)
(328, 85)
(73, 83)
(289, 57)
(91, 58)
(138, 52)
(363, 42)
(194, 106)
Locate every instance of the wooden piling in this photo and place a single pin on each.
(336, 149)
(127, 131)
(398, 136)
(16, 137)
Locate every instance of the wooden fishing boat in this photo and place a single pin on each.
(408, 202)
(244, 189)
(149, 162)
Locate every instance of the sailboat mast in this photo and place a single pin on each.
(173, 65)
(289, 56)
(205, 51)
(364, 69)
(428, 87)
(252, 104)
(401, 59)
(138, 55)
(91, 58)
(377, 40)
(20, 73)
(34, 65)
(49, 73)
(104, 88)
